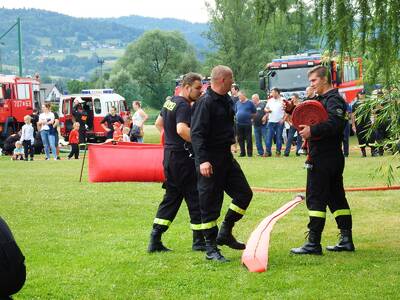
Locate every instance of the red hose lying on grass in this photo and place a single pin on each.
(350, 189)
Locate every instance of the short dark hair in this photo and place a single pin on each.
(322, 72)
(190, 78)
(136, 102)
(276, 89)
(236, 87)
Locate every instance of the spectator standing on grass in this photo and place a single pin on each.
(260, 124)
(56, 127)
(245, 111)
(74, 141)
(138, 119)
(80, 116)
(275, 122)
(108, 122)
(292, 130)
(235, 98)
(34, 120)
(46, 122)
(27, 137)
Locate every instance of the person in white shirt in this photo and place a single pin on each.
(47, 131)
(275, 122)
(27, 139)
(138, 119)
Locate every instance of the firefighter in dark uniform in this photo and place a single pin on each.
(12, 263)
(212, 136)
(325, 173)
(361, 124)
(179, 167)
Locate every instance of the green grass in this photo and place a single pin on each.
(88, 241)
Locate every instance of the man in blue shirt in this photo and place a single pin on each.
(245, 111)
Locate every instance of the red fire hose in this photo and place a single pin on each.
(350, 189)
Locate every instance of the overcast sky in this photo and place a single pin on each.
(191, 10)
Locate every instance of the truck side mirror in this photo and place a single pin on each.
(262, 83)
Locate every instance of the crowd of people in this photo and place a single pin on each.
(269, 123)
(41, 132)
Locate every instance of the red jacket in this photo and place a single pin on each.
(117, 135)
(74, 137)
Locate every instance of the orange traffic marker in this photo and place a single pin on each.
(255, 256)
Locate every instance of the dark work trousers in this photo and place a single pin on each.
(180, 183)
(325, 188)
(74, 151)
(82, 134)
(227, 176)
(362, 136)
(244, 133)
(28, 148)
(12, 267)
(346, 138)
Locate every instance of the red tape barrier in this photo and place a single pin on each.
(350, 189)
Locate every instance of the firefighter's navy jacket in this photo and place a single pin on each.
(212, 125)
(329, 134)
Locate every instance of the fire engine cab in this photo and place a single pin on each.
(96, 104)
(289, 74)
(18, 97)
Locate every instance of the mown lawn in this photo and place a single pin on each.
(88, 241)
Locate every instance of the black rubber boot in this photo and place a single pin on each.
(199, 243)
(345, 242)
(363, 152)
(225, 237)
(156, 244)
(312, 246)
(213, 253)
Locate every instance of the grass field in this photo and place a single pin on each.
(88, 241)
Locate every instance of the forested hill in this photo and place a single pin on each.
(193, 32)
(60, 45)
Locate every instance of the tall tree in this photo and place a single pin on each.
(247, 45)
(370, 29)
(155, 60)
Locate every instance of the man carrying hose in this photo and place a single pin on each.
(325, 173)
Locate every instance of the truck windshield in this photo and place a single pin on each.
(289, 79)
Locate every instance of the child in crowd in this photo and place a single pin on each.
(74, 141)
(117, 135)
(125, 136)
(27, 138)
(18, 153)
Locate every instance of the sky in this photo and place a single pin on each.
(190, 10)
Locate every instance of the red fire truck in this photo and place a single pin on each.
(96, 104)
(289, 74)
(18, 97)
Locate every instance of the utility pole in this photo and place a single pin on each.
(18, 24)
(19, 46)
(100, 61)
